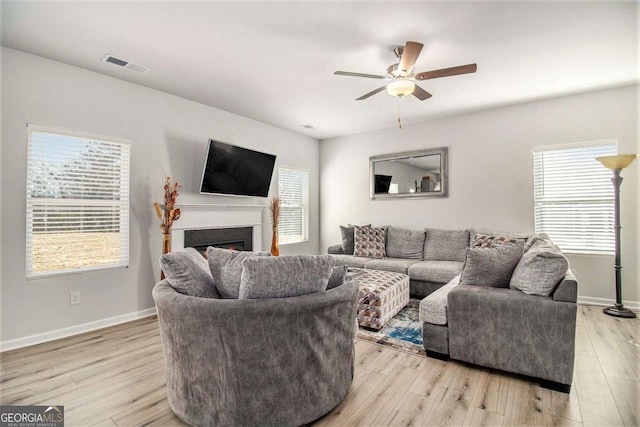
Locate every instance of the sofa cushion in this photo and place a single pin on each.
(435, 271)
(540, 269)
(369, 242)
(351, 260)
(338, 276)
(226, 269)
(188, 273)
(402, 243)
(491, 266)
(396, 265)
(348, 238)
(433, 308)
(445, 245)
(284, 276)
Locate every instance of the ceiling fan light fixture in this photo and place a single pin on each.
(401, 87)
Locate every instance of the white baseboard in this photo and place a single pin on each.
(632, 305)
(74, 330)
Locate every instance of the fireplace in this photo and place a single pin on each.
(236, 238)
(209, 225)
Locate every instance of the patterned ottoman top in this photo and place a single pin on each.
(376, 280)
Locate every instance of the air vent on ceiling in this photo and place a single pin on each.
(124, 64)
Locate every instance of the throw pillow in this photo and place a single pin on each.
(338, 276)
(369, 242)
(491, 266)
(348, 238)
(188, 273)
(226, 269)
(488, 240)
(446, 245)
(403, 243)
(540, 270)
(284, 276)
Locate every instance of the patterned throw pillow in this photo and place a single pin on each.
(188, 273)
(348, 238)
(369, 242)
(488, 241)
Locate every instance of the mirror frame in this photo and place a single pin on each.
(444, 168)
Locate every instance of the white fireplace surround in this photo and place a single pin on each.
(203, 217)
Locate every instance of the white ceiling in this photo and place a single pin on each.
(274, 61)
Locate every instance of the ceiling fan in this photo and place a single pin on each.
(402, 75)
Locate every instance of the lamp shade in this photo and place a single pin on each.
(620, 161)
(401, 87)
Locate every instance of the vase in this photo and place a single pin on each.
(166, 248)
(275, 251)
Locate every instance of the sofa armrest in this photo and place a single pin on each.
(506, 329)
(335, 250)
(567, 289)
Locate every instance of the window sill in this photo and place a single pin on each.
(49, 275)
(293, 243)
(581, 254)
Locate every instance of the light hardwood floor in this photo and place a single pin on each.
(115, 377)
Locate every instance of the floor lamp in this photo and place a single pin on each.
(616, 164)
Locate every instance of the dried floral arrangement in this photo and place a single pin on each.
(167, 213)
(274, 210)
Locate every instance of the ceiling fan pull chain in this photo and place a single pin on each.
(399, 114)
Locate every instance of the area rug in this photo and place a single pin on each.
(402, 333)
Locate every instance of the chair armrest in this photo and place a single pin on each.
(335, 250)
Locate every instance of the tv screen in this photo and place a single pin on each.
(235, 170)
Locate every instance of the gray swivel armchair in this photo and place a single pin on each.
(275, 361)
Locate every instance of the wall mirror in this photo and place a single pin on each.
(422, 173)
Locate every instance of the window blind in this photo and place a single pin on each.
(573, 196)
(77, 202)
(293, 191)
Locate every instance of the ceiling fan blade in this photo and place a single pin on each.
(445, 72)
(420, 93)
(373, 92)
(410, 55)
(348, 73)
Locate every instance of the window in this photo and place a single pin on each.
(573, 196)
(293, 190)
(77, 202)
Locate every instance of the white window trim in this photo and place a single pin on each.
(576, 145)
(125, 250)
(305, 208)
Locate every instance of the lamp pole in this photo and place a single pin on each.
(616, 164)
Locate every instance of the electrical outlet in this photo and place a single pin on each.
(74, 297)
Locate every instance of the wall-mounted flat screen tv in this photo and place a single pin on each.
(238, 171)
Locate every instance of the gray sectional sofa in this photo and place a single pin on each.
(440, 258)
(525, 325)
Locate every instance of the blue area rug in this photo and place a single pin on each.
(403, 332)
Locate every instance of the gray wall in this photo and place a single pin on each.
(169, 136)
(490, 175)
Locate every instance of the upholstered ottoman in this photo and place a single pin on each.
(382, 294)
